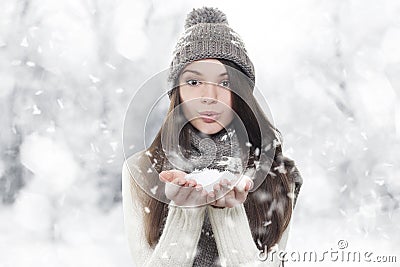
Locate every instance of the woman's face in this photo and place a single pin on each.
(206, 100)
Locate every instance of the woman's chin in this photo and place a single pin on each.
(208, 127)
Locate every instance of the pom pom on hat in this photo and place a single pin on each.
(205, 15)
(208, 35)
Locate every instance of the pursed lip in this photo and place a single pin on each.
(209, 113)
(209, 116)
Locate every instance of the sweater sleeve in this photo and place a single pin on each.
(178, 242)
(234, 240)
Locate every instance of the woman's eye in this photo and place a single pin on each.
(225, 83)
(193, 82)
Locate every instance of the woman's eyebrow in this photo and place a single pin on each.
(199, 73)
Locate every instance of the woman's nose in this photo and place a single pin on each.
(210, 92)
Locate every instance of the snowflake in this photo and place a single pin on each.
(110, 66)
(93, 78)
(154, 189)
(262, 196)
(236, 43)
(280, 168)
(275, 143)
(268, 147)
(223, 138)
(24, 42)
(36, 110)
(119, 90)
(113, 145)
(257, 164)
(290, 195)
(364, 135)
(266, 223)
(231, 133)
(60, 103)
(343, 188)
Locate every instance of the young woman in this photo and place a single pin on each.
(214, 122)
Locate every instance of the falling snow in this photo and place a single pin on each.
(36, 110)
(24, 42)
(266, 223)
(67, 67)
(60, 103)
(30, 64)
(154, 189)
(94, 79)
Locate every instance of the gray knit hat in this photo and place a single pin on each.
(208, 35)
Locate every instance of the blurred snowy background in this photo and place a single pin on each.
(330, 71)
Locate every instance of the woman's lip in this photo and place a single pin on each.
(207, 113)
(208, 118)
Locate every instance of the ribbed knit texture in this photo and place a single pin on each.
(201, 236)
(209, 151)
(177, 245)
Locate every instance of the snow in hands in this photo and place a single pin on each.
(209, 177)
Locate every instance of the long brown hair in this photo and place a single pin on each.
(269, 207)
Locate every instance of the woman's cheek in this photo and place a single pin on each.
(229, 116)
(189, 110)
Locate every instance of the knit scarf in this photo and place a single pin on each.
(219, 151)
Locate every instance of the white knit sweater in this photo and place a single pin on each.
(178, 242)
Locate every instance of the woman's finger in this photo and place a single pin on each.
(198, 196)
(222, 190)
(231, 199)
(171, 175)
(182, 197)
(166, 176)
(249, 185)
(172, 189)
(191, 183)
(211, 197)
(240, 195)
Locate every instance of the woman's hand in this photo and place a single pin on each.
(183, 192)
(224, 195)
